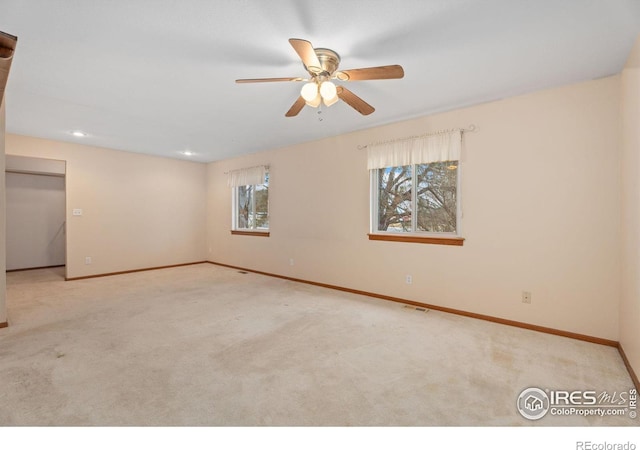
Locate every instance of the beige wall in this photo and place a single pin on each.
(3, 238)
(541, 201)
(139, 211)
(630, 303)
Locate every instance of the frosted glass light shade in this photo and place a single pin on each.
(315, 102)
(331, 101)
(328, 90)
(309, 92)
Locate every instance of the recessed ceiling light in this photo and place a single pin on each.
(188, 153)
(78, 133)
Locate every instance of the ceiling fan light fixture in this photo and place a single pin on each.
(328, 90)
(330, 101)
(315, 102)
(309, 91)
(322, 66)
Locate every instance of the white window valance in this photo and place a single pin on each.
(247, 176)
(441, 146)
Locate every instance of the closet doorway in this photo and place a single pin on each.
(35, 213)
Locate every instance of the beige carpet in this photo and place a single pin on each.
(206, 345)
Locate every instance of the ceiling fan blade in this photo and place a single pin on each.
(354, 101)
(7, 49)
(371, 73)
(307, 54)
(267, 80)
(296, 108)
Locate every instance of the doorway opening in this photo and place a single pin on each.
(35, 213)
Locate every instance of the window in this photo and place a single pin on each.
(417, 198)
(250, 202)
(415, 189)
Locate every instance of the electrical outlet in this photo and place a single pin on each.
(87, 259)
(526, 297)
(408, 279)
(291, 261)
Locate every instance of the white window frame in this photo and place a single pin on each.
(374, 193)
(234, 207)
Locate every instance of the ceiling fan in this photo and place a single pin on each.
(322, 65)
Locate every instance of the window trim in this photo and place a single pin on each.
(418, 237)
(248, 232)
(413, 238)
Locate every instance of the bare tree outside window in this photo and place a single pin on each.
(436, 197)
(432, 195)
(394, 199)
(252, 206)
(244, 195)
(261, 212)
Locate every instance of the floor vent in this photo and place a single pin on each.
(417, 308)
(242, 272)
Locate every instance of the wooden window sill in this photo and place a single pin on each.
(250, 233)
(417, 239)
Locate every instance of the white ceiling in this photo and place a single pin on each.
(157, 76)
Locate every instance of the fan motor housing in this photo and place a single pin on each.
(329, 60)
